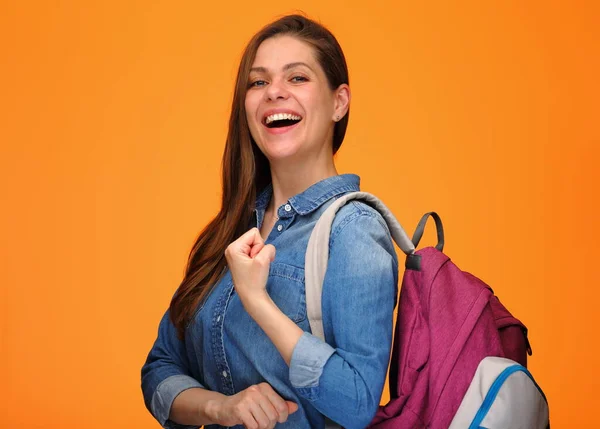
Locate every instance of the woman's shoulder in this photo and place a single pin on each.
(357, 218)
(360, 232)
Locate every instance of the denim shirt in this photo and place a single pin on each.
(343, 377)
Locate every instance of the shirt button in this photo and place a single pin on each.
(279, 227)
(225, 374)
(219, 319)
(287, 207)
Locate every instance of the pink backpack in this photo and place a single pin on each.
(448, 322)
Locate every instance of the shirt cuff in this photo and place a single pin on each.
(308, 359)
(165, 394)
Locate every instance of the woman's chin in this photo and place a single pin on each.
(281, 151)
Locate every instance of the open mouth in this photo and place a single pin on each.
(283, 123)
(280, 120)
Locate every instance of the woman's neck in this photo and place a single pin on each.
(288, 182)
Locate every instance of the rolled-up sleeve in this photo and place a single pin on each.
(344, 376)
(308, 359)
(165, 374)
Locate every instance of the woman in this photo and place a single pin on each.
(235, 346)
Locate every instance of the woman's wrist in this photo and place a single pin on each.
(211, 409)
(256, 303)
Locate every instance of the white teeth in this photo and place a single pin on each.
(281, 117)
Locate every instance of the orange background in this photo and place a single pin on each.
(112, 126)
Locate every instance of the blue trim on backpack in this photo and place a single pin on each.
(490, 397)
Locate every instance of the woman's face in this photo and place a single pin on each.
(289, 105)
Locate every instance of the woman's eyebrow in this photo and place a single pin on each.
(296, 64)
(285, 67)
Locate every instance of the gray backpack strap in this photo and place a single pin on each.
(317, 252)
(317, 255)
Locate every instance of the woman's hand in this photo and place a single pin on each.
(256, 407)
(249, 259)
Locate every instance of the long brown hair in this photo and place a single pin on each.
(245, 169)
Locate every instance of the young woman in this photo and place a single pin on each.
(235, 346)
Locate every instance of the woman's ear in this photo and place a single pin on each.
(341, 101)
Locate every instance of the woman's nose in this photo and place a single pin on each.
(276, 90)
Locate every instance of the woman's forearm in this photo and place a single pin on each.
(282, 332)
(195, 406)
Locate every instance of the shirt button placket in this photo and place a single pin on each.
(287, 208)
(217, 340)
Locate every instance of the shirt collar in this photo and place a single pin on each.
(317, 194)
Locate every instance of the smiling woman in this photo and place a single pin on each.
(290, 105)
(235, 347)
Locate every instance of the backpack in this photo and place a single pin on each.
(448, 322)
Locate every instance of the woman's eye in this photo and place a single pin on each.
(299, 79)
(257, 83)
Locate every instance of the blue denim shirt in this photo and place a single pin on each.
(226, 351)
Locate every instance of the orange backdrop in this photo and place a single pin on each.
(112, 126)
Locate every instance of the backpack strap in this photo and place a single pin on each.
(317, 252)
(317, 255)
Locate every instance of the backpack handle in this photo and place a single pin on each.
(421, 228)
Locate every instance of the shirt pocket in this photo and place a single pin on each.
(286, 288)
